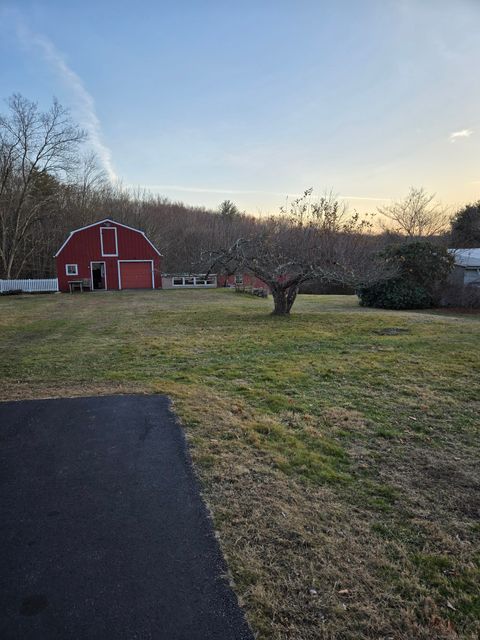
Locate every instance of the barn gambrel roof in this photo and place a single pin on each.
(94, 224)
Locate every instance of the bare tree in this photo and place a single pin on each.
(35, 148)
(89, 179)
(416, 216)
(310, 240)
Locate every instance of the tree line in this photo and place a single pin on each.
(49, 186)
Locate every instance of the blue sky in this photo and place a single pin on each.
(207, 100)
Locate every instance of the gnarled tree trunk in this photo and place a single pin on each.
(283, 299)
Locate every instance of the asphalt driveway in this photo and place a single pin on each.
(103, 531)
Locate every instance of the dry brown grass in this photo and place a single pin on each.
(306, 564)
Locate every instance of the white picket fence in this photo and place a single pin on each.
(30, 286)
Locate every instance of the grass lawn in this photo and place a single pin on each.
(339, 458)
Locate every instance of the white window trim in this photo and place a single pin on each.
(120, 275)
(208, 285)
(109, 255)
(71, 265)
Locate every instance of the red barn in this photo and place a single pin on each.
(108, 255)
(242, 279)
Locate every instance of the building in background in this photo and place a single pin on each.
(189, 281)
(108, 255)
(467, 267)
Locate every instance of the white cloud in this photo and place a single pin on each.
(364, 198)
(84, 106)
(463, 133)
(224, 191)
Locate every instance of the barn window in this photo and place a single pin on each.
(194, 281)
(239, 279)
(108, 241)
(71, 269)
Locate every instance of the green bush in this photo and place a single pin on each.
(466, 226)
(421, 269)
(395, 294)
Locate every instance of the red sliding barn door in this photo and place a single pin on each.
(136, 275)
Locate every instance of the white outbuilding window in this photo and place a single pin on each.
(194, 281)
(71, 269)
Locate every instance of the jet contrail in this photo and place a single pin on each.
(84, 103)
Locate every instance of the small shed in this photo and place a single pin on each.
(108, 255)
(467, 266)
(242, 280)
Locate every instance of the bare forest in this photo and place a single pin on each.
(50, 184)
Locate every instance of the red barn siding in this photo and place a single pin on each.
(84, 246)
(249, 280)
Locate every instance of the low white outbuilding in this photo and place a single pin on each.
(189, 281)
